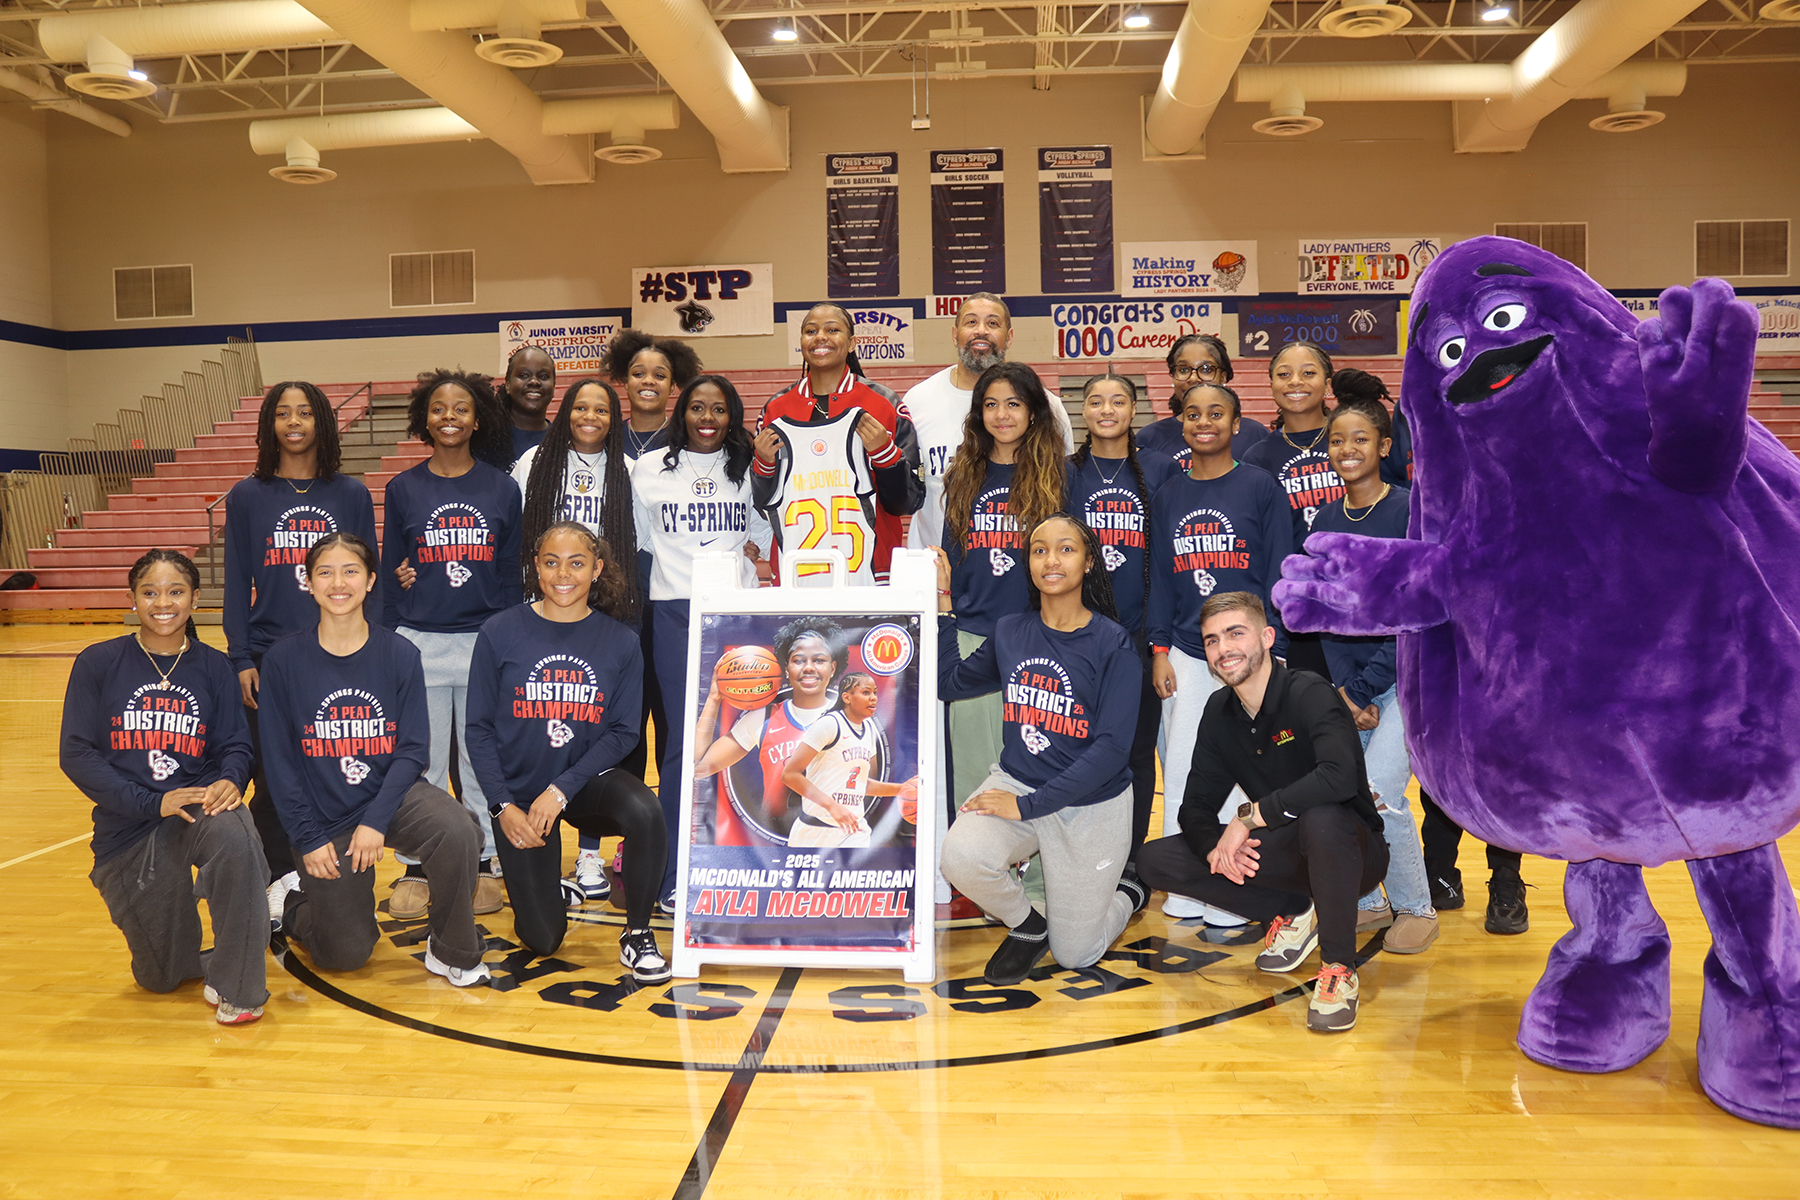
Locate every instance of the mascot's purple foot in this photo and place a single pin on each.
(1603, 1001)
(1750, 1016)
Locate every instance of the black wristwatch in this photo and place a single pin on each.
(494, 810)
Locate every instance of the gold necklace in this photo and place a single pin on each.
(298, 490)
(1385, 489)
(1296, 445)
(163, 676)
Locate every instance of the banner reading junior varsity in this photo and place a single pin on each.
(575, 344)
(806, 782)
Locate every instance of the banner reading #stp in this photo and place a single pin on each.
(1131, 329)
(729, 300)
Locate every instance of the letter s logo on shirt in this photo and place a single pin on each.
(1000, 561)
(162, 766)
(458, 573)
(354, 769)
(560, 734)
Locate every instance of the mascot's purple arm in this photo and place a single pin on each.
(1598, 612)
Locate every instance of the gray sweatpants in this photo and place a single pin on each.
(335, 918)
(151, 890)
(445, 657)
(1083, 851)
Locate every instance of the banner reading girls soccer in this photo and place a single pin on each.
(806, 783)
(968, 222)
(731, 300)
(1075, 218)
(862, 225)
(575, 344)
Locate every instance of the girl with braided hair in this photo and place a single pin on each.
(1110, 486)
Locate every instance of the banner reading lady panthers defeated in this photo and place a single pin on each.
(1075, 218)
(862, 224)
(1356, 266)
(805, 804)
(968, 222)
(730, 300)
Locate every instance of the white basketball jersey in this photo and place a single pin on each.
(847, 754)
(826, 500)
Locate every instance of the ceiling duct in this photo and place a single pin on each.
(488, 97)
(1781, 10)
(301, 139)
(683, 43)
(44, 94)
(110, 74)
(110, 40)
(1287, 115)
(1352, 20)
(1209, 44)
(1591, 39)
(626, 118)
(302, 164)
(519, 24)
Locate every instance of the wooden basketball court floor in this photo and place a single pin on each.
(1176, 1070)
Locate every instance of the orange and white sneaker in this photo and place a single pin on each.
(230, 1014)
(1333, 1005)
(1289, 941)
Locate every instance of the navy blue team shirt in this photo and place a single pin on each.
(551, 702)
(989, 578)
(269, 527)
(1298, 463)
(1364, 666)
(1164, 437)
(126, 739)
(1104, 493)
(1214, 535)
(343, 738)
(462, 536)
(1070, 704)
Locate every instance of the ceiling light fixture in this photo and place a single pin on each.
(785, 31)
(1496, 12)
(1135, 18)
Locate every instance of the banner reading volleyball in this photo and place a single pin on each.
(731, 300)
(1169, 269)
(1351, 266)
(575, 344)
(1075, 218)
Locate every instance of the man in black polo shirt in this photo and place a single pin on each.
(1308, 843)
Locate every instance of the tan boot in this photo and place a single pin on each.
(1410, 934)
(411, 899)
(490, 895)
(1370, 919)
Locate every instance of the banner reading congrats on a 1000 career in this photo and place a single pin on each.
(806, 777)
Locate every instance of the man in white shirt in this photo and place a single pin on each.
(939, 405)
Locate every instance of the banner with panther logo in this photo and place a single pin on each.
(728, 300)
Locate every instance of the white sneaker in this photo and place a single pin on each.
(639, 951)
(1184, 908)
(458, 976)
(278, 894)
(230, 1014)
(591, 876)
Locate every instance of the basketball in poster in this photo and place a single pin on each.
(806, 782)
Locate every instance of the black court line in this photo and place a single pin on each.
(304, 974)
(718, 1130)
(41, 654)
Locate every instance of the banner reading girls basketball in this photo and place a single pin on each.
(968, 222)
(730, 300)
(809, 764)
(575, 344)
(862, 225)
(1075, 218)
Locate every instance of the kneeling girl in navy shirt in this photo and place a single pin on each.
(346, 736)
(554, 689)
(153, 733)
(1068, 679)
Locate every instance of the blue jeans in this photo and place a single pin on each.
(1390, 769)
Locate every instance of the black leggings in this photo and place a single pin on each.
(1443, 837)
(1143, 760)
(276, 848)
(613, 804)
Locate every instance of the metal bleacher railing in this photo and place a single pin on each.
(34, 504)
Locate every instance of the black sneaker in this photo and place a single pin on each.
(1019, 951)
(666, 906)
(1506, 911)
(1447, 893)
(639, 951)
(1132, 886)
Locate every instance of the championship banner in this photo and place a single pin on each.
(1168, 269)
(1359, 326)
(811, 757)
(1364, 266)
(735, 300)
(883, 335)
(1075, 219)
(1780, 317)
(575, 344)
(862, 225)
(1136, 329)
(968, 222)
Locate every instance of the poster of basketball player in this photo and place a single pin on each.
(806, 782)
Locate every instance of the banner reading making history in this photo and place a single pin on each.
(1163, 270)
(1075, 221)
(862, 225)
(968, 222)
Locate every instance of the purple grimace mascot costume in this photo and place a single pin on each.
(1597, 609)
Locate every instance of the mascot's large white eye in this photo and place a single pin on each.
(1507, 316)
(1451, 352)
